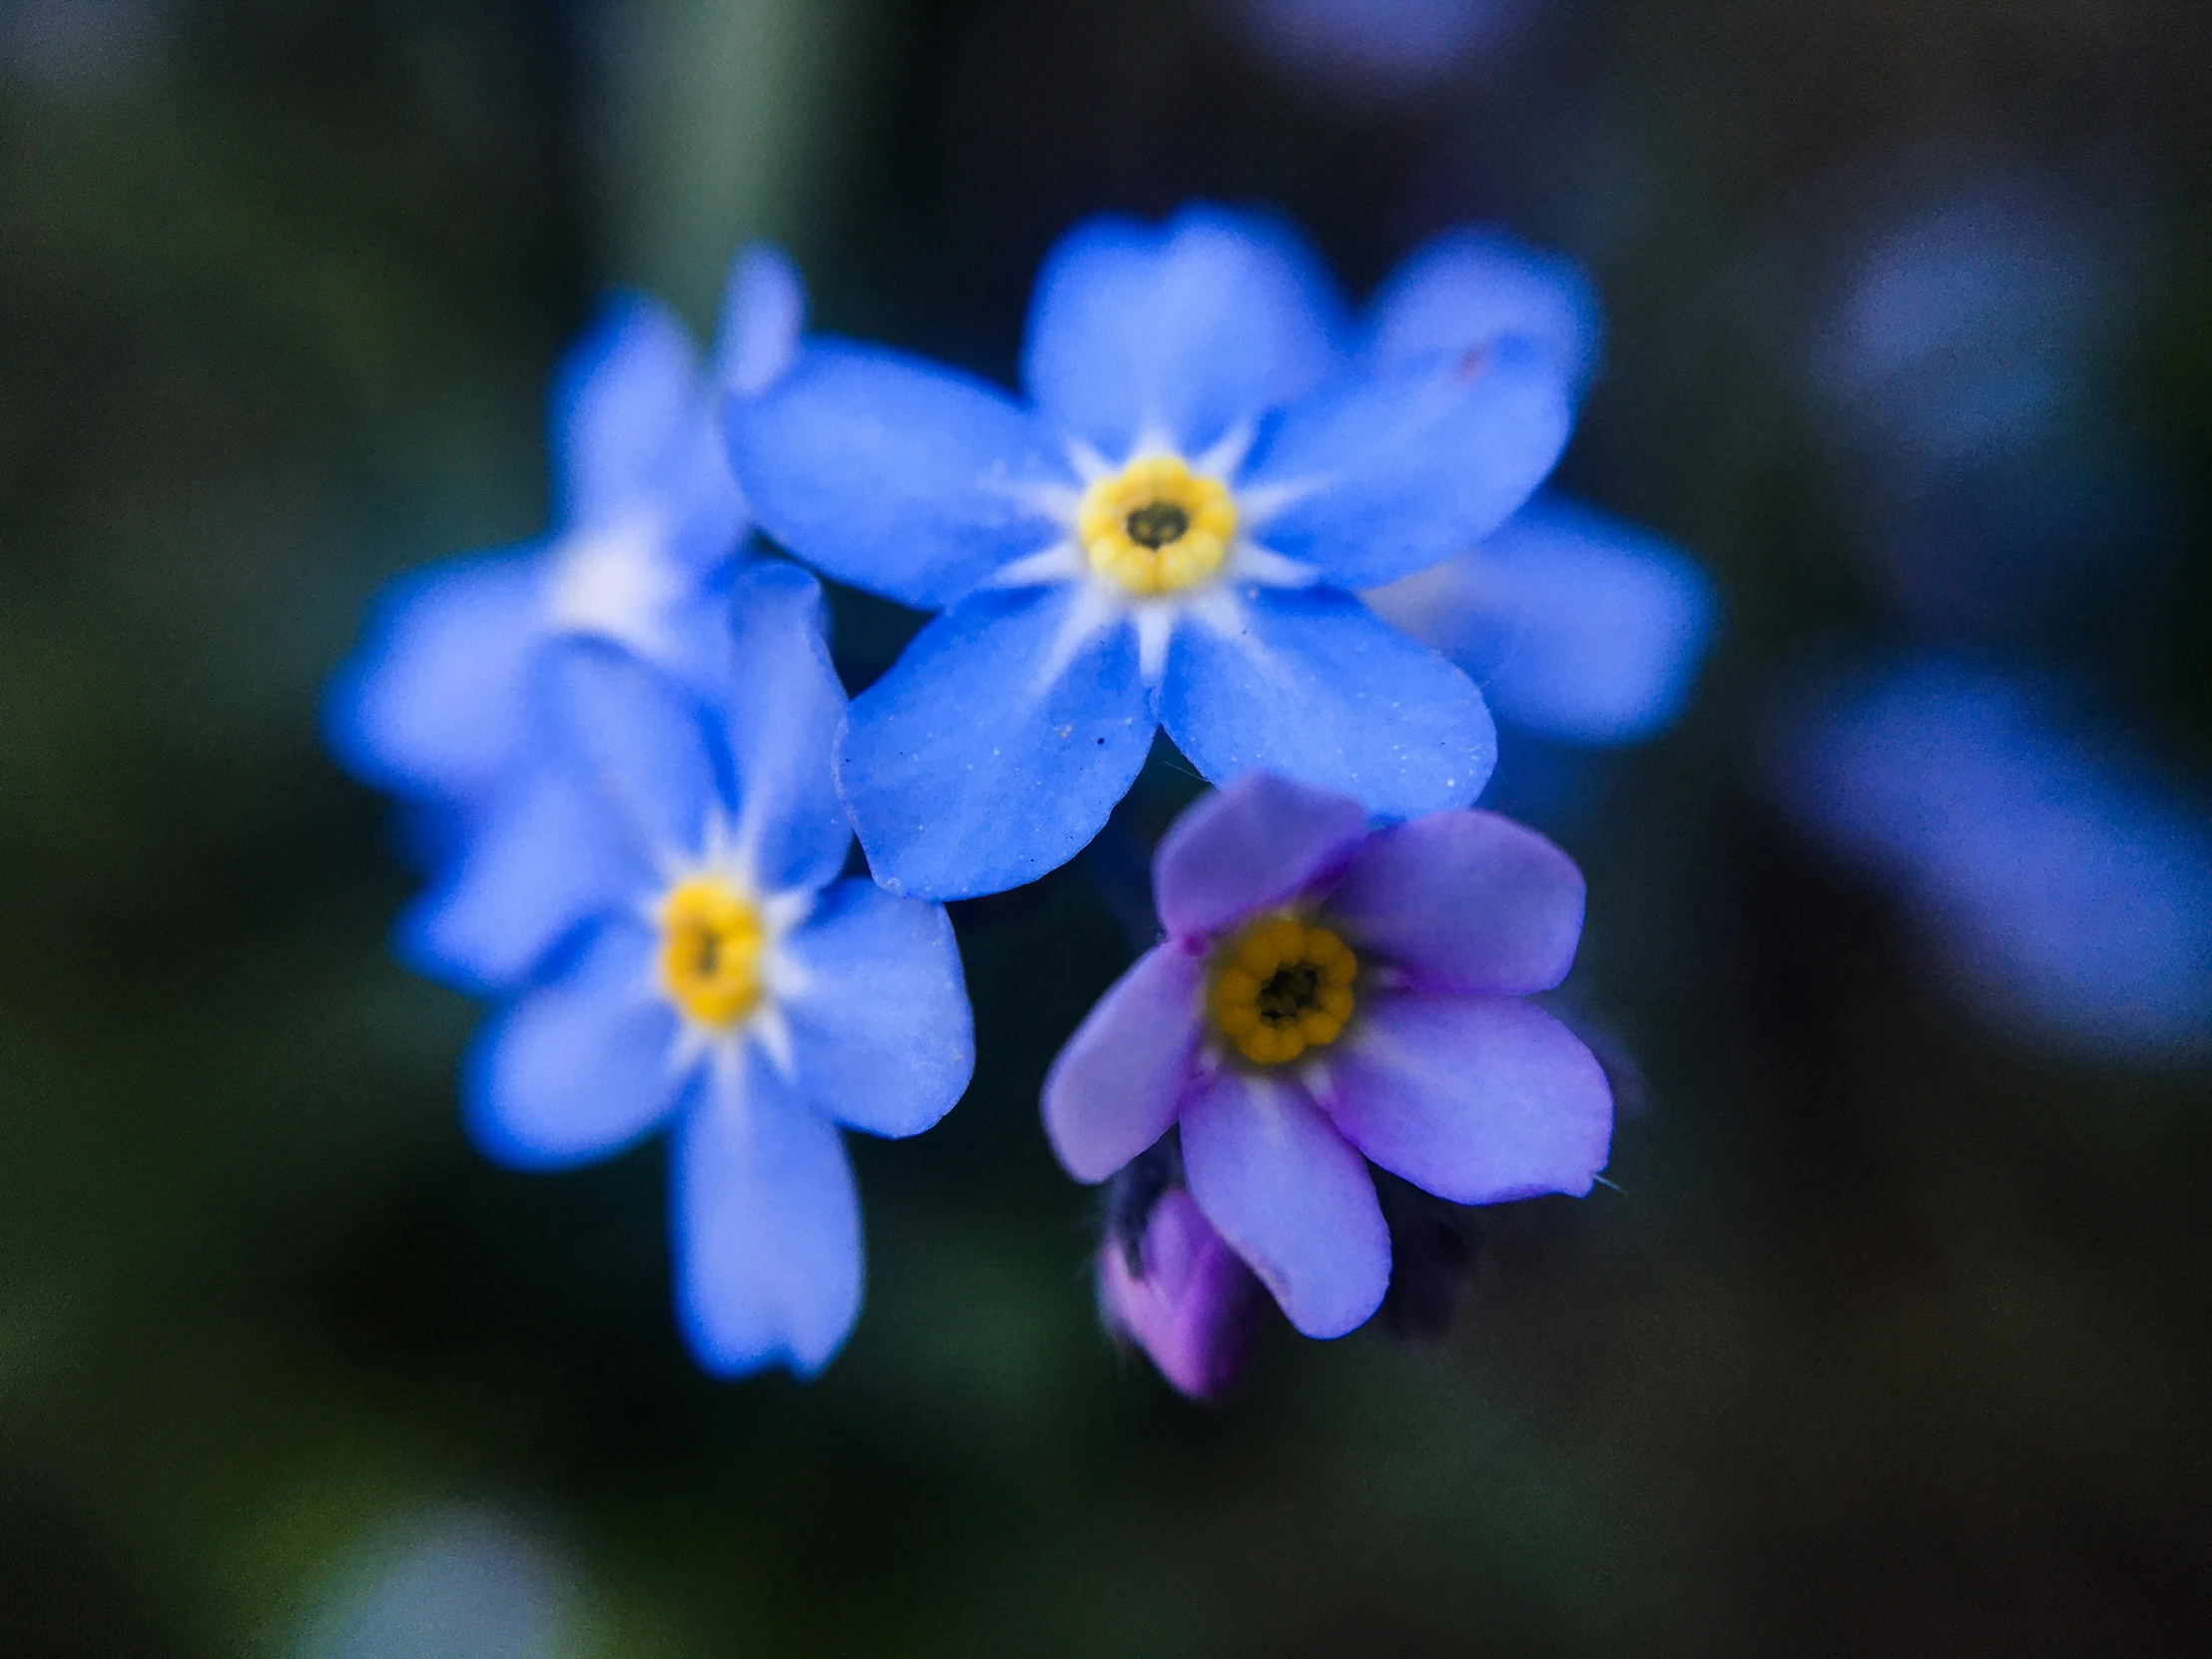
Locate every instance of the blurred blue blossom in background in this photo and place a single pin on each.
(1169, 540)
(450, 1583)
(1967, 359)
(1381, 49)
(732, 987)
(440, 703)
(2069, 886)
(1578, 628)
(83, 48)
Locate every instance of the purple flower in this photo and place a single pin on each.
(1325, 996)
(1183, 1295)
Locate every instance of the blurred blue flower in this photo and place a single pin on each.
(1169, 535)
(1377, 48)
(733, 987)
(1323, 996)
(438, 702)
(84, 47)
(1966, 357)
(2072, 894)
(458, 1583)
(1580, 628)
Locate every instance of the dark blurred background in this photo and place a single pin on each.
(1895, 1338)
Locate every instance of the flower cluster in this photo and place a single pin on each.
(1226, 508)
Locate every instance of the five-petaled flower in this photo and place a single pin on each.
(439, 702)
(1326, 996)
(1169, 535)
(734, 987)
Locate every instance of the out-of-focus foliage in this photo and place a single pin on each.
(1893, 1339)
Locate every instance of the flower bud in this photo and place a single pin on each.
(1182, 1295)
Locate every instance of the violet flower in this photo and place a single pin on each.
(1325, 996)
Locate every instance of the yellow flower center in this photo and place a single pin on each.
(712, 942)
(1156, 526)
(1283, 987)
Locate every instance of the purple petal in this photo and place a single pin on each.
(1194, 1307)
(1291, 1197)
(1115, 1087)
(1476, 1099)
(1465, 902)
(1257, 843)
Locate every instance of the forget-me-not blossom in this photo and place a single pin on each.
(438, 703)
(734, 988)
(1326, 995)
(1168, 534)
(1580, 628)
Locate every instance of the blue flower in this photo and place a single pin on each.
(438, 703)
(733, 987)
(2070, 893)
(1580, 628)
(1168, 534)
(1967, 364)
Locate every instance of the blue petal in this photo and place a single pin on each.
(433, 701)
(545, 854)
(643, 746)
(782, 711)
(880, 1034)
(634, 583)
(1180, 333)
(621, 399)
(1579, 628)
(907, 480)
(765, 1226)
(971, 768)
(580, 1066)
(1392, 471)
(764, 306)
(1313, 688)
(1468, 289)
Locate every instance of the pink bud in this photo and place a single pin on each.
(1195, 1306)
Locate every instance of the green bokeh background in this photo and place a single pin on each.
(1895, 1338)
